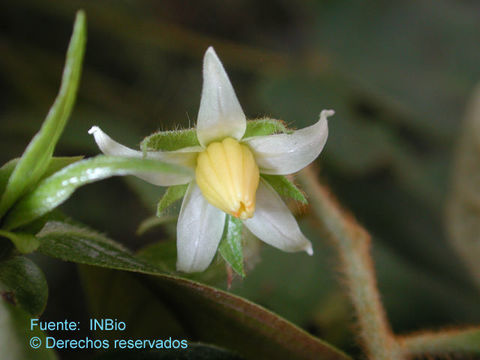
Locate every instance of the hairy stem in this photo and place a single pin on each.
(353, 244)
(453, 341)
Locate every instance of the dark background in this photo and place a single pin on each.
(398, 74)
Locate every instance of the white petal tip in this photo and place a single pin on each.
(309, 250)
(210, 54)
(327, 113)
(93, 130)
(210, 50)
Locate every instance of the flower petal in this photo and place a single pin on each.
(274, 223)
(184, 157)
(284, 154)
(199, 231)
(220, 114)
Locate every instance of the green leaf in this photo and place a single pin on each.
(56, 163)
(170, 140)
(210, 315)
(172, 194)
(262, 127)
(81, 245)
(231, 244)
(164, 253)
(192, 352)
(22, 283)
(285, 187)
(24, 242)
(15, 335)
(57, 188)
(5, 172)
(38, 153)
(102, 288)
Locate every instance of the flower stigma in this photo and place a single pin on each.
(228, 177)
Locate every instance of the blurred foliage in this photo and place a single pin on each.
(397, 73)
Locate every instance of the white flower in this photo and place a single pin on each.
(227, 170)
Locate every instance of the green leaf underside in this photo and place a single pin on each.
(217, 317)
(81, 245)
(25, 243)
(15, 335)
(285, 187)
(179, 139)
(54, 190)
(231, 244)
(23, 284)
(173, 194)
(38, 153)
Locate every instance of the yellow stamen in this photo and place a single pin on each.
(228, 176)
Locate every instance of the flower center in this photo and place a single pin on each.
(228, 176)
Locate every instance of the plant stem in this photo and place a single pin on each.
(353, 244)
(453, 341)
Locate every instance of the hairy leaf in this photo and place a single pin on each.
(214, 316)
(210, 315)
(81, 245)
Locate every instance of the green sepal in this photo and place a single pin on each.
(170, 140)
(23, 284)
(25, 243)
(265, 126)
(173, 194)
(37, 155)
(54, 190)
(285, 187)
(179, 139)
(231, 244)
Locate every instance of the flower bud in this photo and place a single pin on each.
(228, 177)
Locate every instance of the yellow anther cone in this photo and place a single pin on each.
(228, 177)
